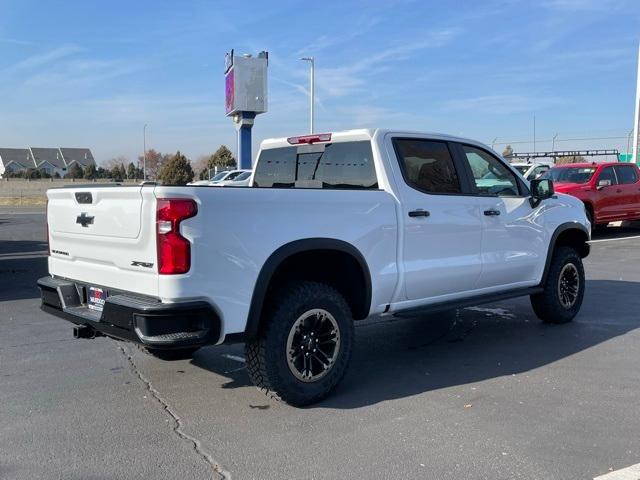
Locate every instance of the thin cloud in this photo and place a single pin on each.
(39, 60)
(501, 104)
(345, 80)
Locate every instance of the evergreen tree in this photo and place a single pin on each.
(176, 171)
(221, 158)
(131, 171)
(90, 172)
(74, 172)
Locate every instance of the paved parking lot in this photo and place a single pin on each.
(486, 392)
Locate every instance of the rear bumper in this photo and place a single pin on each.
(125, 316)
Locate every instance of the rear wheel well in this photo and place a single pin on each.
(331, 267)
(332, 262)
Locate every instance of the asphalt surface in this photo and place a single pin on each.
(487, 392)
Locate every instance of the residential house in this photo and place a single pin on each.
(14, 160)
(49, 160)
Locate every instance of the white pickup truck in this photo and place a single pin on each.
(335, 228)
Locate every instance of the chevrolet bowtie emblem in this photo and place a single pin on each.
(84, 219)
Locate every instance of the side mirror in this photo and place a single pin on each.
(603, 183)
(541, 189)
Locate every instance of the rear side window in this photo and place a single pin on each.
(346, 165)
(427, 165)
(626, 174)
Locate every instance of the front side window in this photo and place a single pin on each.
(232, 175)
(626, 174)
(607, 177)
(427, 165)
(537, 172)
(344, 165)
(491, 176)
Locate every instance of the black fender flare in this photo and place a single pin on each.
(563, 227)
(280, 255)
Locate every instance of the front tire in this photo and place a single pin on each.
(563, 288)
(304, 346)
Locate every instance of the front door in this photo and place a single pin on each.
(629, 191)
(513, 243)
(607, 197)
(442, 228)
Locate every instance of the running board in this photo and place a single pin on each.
(468, 302)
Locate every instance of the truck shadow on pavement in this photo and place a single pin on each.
(399, 358)
(21, 264)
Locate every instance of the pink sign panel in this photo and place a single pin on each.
(229, 92)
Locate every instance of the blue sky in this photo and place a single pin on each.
(81, 73)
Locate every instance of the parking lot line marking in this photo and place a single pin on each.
(234, 357)
(629, 473)
(614, 239)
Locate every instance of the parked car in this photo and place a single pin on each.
(531, 171)
(219, 179)
(337, 228)
(240, 180)
(610, 191)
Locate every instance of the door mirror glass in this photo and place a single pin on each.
(541, 189)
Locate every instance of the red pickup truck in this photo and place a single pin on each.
(610, 191)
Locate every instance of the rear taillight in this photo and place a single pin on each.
(174, 251)
(320, 137)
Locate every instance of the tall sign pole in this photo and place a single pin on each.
(245, 81)
(635, 156)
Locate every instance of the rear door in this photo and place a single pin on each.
(628, 190)
(104, 235)
(513, 243)
(441, 225)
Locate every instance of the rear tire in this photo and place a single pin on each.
(171, 355)
(304, 345)
(563, 288)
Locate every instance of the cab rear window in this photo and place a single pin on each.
(345, 165)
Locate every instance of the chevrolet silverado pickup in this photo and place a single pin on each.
(333, 229)
(610, 191)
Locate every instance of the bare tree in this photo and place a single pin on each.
(153, 161)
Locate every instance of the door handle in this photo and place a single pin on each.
(419, 213)
(492, 213)
(618, 191)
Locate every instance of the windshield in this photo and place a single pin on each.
(570, 174)
(242, 176)
(219, 176)
(522, 168)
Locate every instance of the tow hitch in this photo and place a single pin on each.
(85, 331)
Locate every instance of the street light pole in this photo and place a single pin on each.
(311, 90)
(144, 152)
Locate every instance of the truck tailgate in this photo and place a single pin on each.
(104, 235)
